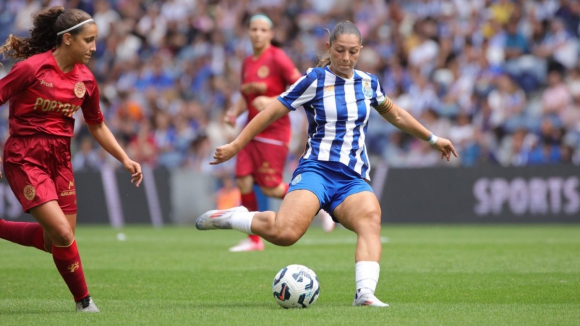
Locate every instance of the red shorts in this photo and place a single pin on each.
(263, 161)
(38, 170)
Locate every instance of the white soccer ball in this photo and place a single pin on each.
(295, 286)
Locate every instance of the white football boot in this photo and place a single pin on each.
(326, 221)
(367, 299)
(87, 305)
(218, 218)
(248, 245)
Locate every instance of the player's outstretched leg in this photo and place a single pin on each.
(219, 219)
(23, 233)
(252, 242)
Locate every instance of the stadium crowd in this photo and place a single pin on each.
(500, 78)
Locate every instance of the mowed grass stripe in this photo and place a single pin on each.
(440, 275)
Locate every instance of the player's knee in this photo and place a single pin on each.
(370, 219)
(285, 236)
(62, 236)
(285, 239)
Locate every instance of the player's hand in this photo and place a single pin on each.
(230, 119)
(0, 168)
(224, 153)
(445, 147)
(261, 102)
(135, 169)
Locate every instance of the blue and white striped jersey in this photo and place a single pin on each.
(338, 110)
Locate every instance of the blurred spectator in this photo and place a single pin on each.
(499, 77)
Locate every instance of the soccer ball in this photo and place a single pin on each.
(295, 286)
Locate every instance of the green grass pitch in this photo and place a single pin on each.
(430, 275)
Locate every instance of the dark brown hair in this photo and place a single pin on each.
(345, 27)
(47, 23)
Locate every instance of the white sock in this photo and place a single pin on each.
(242, 221)
(367, 275)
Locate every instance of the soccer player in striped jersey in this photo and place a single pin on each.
(45, 90)
(265, 74)
(334, 171)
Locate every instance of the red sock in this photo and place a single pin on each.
(68, 263)
(23, 233)
(249, 201)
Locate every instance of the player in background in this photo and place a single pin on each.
(333, 173)
(45, 90)
(265, 74)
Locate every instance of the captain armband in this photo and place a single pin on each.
(385, 107)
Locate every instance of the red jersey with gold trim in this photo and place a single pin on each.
(274, 70)
(43, 99)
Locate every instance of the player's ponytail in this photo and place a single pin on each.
(345, 27)
(43, 36)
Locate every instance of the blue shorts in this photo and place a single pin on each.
(331, 182)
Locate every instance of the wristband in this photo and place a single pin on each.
(432, 139)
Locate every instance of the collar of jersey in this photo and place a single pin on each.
(327, 68)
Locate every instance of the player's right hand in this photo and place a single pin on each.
(0, 168)
(224, 153)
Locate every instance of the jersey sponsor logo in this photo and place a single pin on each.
(297, 179)
(263, 71)
(46, 105)
(80, 89)
(328, 89)
(42, 82)
(68, 193)
(367, 90)
(29, 192)
(74, 266)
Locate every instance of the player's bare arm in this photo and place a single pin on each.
(105, 138)
(273, 112)
(234, 112)
(401, 119)
(261, 102)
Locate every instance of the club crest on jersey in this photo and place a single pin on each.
(297, 179)
(80, 89)
(29, 192)
(263, 71)
(367, 90)
(329, 89)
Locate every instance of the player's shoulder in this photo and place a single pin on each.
(85, 76)
(84, 72)
(366, 76)
(35, 62)
(274, 50)
(315, 72)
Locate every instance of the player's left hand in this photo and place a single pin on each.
(135, 169)
(224, 153)
(261, 102)
(0, 168)
(445, 147)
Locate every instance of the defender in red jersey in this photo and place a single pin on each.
(45, 90)
(265, 74)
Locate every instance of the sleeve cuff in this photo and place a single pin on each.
(286, 104)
